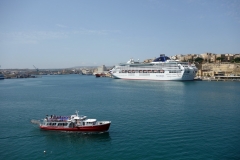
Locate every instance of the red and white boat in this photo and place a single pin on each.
(74, 123)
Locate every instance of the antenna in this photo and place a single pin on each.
(77, 112)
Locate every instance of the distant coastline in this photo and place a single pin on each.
(210, 67)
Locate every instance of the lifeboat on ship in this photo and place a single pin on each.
(73, 123)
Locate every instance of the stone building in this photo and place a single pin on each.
(209, 57)
(236, 55)
(216, 69)
(185, 58)
(228, 57)
(101, 70)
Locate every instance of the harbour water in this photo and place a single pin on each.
(150, 119)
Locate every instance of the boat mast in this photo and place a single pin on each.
(77, 113)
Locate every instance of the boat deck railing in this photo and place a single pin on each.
(57, 119)
(147, 68)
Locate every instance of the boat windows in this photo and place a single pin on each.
(172, 71)
(161, 71)
(90, 123)
(140, 71)
(62, 124)
(51, 124)
(71, 125)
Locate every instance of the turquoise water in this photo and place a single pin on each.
(150, 119)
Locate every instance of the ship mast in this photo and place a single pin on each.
(77, 113)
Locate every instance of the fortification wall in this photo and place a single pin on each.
(211, 69)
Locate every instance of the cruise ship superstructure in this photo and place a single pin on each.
(162, 68)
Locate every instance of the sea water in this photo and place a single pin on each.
(150, 119)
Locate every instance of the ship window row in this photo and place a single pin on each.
(174, 71)
(51, 124)
(142, 71)
(59, 124)
(62, 124)
(90, 123)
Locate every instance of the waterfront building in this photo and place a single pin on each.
(101, 70)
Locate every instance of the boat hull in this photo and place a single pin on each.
(155, 76)
(95, 128)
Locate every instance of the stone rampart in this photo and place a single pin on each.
(213, 69)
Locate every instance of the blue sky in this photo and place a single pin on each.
(62, 33)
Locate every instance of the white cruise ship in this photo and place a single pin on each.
(162, 68)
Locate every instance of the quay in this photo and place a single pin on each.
(238, 80)
(223, 78)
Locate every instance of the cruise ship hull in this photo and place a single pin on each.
(155, 77)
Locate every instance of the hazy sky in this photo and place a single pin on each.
(68, 33)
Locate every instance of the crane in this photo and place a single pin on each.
(36, 69)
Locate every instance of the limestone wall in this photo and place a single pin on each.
(211, 69)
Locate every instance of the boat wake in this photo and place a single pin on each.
(35, 121)
(85, 133)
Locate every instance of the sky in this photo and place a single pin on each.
(62, 33)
